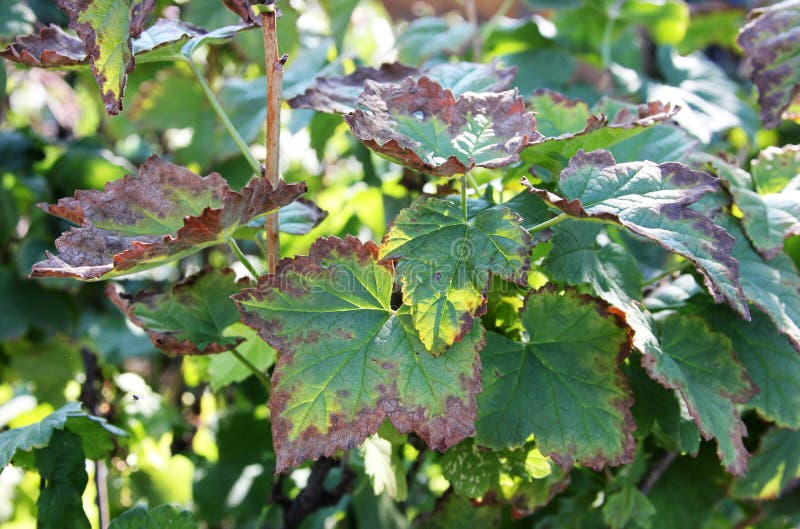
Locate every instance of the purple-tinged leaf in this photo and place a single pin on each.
(347, 361)
(422, 126)
(165, 213)
(445, 260)
(563, 385)
(339, 95)
(653, 201)
(771, 44)
(190, 318)
(701, 366)
(51, 47)
(775, 467)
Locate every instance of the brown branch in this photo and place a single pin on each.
(656, 472)
(274, 71)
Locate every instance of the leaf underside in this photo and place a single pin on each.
(165, 213)
(445, 261)
(563, 385)
(422, 126)
(347, 361)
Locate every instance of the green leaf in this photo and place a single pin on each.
(628, 507)
(162, 517)
(453, 510)
(769, 219)
(445, 260)
(775, 168)
(347, 361)
(225, 369)
(163, 214)
(427, 37)
(190, 318)
(422, 126)
(385, 469)
(562, 385)
(163, 40)
(769, 42)
(35, 435)
(771, 362)
(653, 201)
(340, 94)
(106, 28)
(701, 366)
(773, 286)
(62, 466)
(774, 467)
(474, 471)
(95, 434)
(569, 126)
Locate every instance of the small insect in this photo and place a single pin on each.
(136, 397)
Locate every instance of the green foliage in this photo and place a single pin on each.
(548, 270)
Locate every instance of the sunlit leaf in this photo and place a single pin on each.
(340, 94)
(163, 214)
(161, 517)
(769, 40)
(191, 317)
(225, 368)
(653, 201)
(385, 470)
(775, 168)
(774, 467)
(423, 126)
(347, 361)
(562, 385)
(769, 219)
(106, 28)
(445, 260)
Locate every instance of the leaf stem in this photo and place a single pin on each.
(474, 184)
(605, 45)
(493, 22)
(274, 73)
(242, 258)
(256, 371)
(548, 223)
(464, 194)
(212, 99)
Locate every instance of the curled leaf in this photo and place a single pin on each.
(347, 360)
(51, 47)
(771, 44)
(340, 94)
(422, 126)
(189, 319)
(165, 213)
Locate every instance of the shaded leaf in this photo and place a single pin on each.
(563, 385)
(62, 466)
(225, 368)
(770, 44)
(340, 94)
(569, 126)
(445, 260)
(190, 318)
(35, 435)
(628, 507)
(163, 214)
(474, 471)
(347, 361)
(106, 28)
(51, 47)
(16, 18)
(428, 37)
(163, 516)
(701, 366)
(653, 201)
(453, 510)
(772, 364)
(422, 126)
(775, 167)
(774, 467)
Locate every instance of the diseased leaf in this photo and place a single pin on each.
(769, 219)
(347, 361)
(62, 466)
(569, 126)
(773, 286)
(422, 126)
(51, 47)
(774, 467)
(161, 517)
(190, 318)
(772, 364)
(563, 385)
(163, 214)
(776, 168)
(340, 94)
(445, 260)
(701, 366)
(770, 43)
(653, 201)
(106, 28)
(474, 471)
(243, 9)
